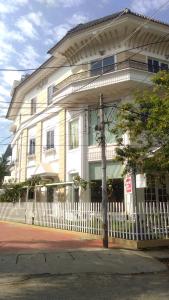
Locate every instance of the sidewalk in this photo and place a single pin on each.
(81, 261)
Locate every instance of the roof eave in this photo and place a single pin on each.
(120, 14)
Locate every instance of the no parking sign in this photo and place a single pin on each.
(128, 184)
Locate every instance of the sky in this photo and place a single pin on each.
(28, 28)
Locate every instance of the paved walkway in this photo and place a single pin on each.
(21, 237)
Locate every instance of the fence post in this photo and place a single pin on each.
(33, 208)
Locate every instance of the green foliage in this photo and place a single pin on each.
(13, 191)
(80, 182)
(35, 180)
(3, 168)
(146, 121)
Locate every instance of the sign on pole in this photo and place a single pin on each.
(128, 184)
(141, 181)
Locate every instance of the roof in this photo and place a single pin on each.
(81, 27)
(26, 79)
(8, 152)
(77, 29)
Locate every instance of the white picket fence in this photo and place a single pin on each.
(149, 221)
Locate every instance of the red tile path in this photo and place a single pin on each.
(21, 237)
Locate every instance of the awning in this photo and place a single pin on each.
(45, 169)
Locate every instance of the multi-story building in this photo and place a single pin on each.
(54, 109)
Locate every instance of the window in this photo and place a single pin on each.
(32, 146)
(33, 106)
(114, 173)
(50, 93)
(156, 190)
(110, 115)
(96, 67)
(154, 65)
(114, 194)
(50, 139)
(108, 64)
(164, 67)
(74, 134)
(102, 66)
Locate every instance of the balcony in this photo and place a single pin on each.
(94, 152)
(119, 72)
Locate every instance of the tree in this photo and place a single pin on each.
(146, 121)
(4, 168)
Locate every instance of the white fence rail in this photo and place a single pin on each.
(149, 221)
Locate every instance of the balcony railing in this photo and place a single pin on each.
(133, 64)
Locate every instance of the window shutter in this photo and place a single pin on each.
(32, 146)
(50, 93)
(33, 106)
(50, 139)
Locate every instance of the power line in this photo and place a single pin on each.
(78, 65)
(102, 74)
(71, 65)
(113, 65)
(85, 132)
(83, 64)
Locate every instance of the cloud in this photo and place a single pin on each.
(145, 6)
(26, 28)
(28, 57)
(8, 77)
(7, 34)
(59, 31)
(3, 108)
(4, 91)
(37, 18)
(62, 3)
(6, 50)
(8, 6)
(29, 23)
(78, 18)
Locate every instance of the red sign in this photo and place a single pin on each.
(128, 184)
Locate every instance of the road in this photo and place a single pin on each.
(88, 286)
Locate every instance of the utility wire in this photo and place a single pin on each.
(83, 64)
(126, 50)
(76, 65)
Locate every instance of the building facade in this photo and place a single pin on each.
(54, 110)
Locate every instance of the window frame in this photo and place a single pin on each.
(32, 146)
(73, 145)
(33, 106)
(50, 92)
(155, 65)
(50, 139)
(104, 68)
